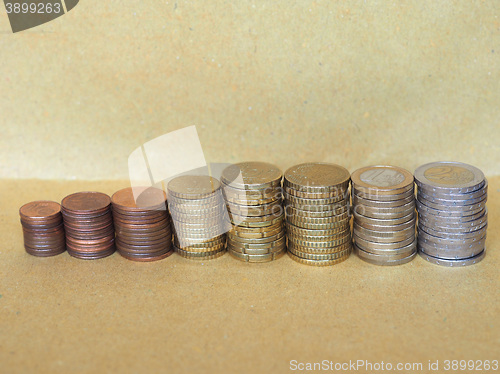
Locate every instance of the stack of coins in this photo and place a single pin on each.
(317, 213)
(142, 224)
(199, 216)
(254, 201)
(43, 228)
(452, 214)
(89, 225)
(384, 215)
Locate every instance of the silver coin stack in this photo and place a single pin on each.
(254, 202)
(317, 213)
(198, 215)
(452, 213)
(383, 201)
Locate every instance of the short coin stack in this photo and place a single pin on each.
(317, 213)
(254, 200)
(43, 228)
(142, 223)
(452, 214)
(383, 200)
(89, 225)
(199, 216)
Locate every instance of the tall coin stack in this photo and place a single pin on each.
(317, 213)
(43, 228)
(254, 201)
(142, 223)
(89, 225)
(199, 216)
(452, 214)
(383, 199)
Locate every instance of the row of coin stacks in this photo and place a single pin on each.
(257, 214)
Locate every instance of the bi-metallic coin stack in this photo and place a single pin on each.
(142, 223)
(199, 216)
(317, 213)
(383, 200)
(452, 214)
(88, 224)
(254, 201)
(43, 228)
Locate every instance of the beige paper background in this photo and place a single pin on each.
(350, 82)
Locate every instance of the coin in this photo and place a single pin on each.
(258, 257)
(307, 261)
(384, 179)
(454, 263)
(383, 260)
(449, 177)
(317, 177)
(201, 256)
(397, 249)
(319, 257)
(375, 245)
(456, 254)
(252, 175)
(193, 187)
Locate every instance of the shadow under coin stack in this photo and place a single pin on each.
(43, 228)
(452, 214)
(317, 213)
(383, 199)
(88, 224)
(253, 196)
(142, 223)
(199, 216)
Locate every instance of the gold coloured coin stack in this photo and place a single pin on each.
(317, 213)
(384, 215)
(199, 216)
(254, 201)
(142, 223)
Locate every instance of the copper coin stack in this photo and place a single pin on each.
(142, 223)
(43, 228)
(88, 224)
(254, 201)
(384, 215)
(317, 213)
(199, 216)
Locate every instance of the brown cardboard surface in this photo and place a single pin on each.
(60, 314)
(352, 82)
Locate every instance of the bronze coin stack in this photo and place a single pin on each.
(383, 200)
(199, 216)
(142, 223)
(88, 224)
(43, 228)
(254, 201)
(317, 213)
